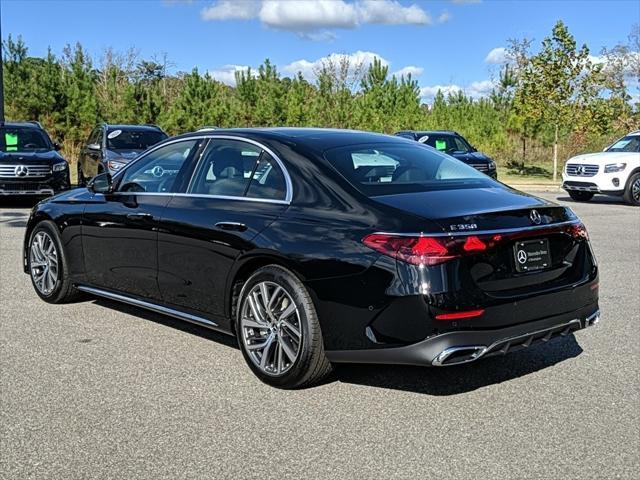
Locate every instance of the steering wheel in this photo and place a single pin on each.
(132, 187)
(31, 145)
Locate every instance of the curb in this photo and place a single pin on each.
(532, 187)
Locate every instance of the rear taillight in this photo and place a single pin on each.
(578, 230)
(415, 250)
(433, 250)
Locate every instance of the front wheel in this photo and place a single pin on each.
(48, 266)
(278, 330)
(632, 192)
(580, 196)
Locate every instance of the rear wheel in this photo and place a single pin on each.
(632, 192)
(278, 330)
(48, 265)
(580, 196)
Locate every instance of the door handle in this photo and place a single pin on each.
(235, 226)
(139, 216)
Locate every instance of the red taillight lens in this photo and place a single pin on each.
(414, 250)
(578, 230)
(460, 315)
(474, 244)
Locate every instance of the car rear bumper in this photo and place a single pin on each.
(454, 348)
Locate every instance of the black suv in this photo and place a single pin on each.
(454, 144)
(110, 147)
(29, 161)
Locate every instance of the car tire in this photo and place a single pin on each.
(278, 330)
(580, 196)
(48, 266)
(632, 191)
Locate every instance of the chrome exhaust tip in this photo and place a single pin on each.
(459, 355)
(592, 320)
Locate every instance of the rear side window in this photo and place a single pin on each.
(226, 168)
(387, 169)
(268, 180)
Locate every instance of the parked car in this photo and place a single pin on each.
(307, 247)
(614, 171)
(110, 147)
(454, 144)
(29, 161)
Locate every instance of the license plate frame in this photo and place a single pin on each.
(532, 255)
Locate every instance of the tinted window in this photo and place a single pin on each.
(125, 139)
(630, 143)
(159, 170)
(268, 180)
(385, 169)
(96, 136)
(226, 168)
(446, 143)
(23, 140)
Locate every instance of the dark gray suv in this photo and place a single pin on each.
(110, 147)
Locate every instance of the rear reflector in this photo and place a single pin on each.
(460, 315)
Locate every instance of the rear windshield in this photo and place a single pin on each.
(389, 169)
(630, 143)
(119, 139)
(23, 140)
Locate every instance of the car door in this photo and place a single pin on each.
(91, 158)
(120, 231)
(238, 189)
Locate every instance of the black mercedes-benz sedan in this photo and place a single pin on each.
(320, 246)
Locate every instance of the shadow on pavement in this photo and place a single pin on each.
(16, 219)
(430, 381)
(444, 381)
(18, 201)
(168, 321)
(598, 199)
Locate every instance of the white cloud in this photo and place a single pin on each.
(497, 56)
(309, 68)
(474, 90)
(315, 18)
(444, 17)
(231, 10)
(409, 70)
(391, 12)
(227, 73)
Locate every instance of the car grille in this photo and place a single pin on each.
(482, 167)
(581, 170)
(9, 171)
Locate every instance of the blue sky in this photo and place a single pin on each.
(444, 43)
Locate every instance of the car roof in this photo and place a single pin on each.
(35, 125)
(318, 139)
(151, 128)
(431, 132)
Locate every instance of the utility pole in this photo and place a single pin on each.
(1, 74)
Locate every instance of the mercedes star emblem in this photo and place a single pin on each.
(535, 217)
(522, 256)
(21, 171)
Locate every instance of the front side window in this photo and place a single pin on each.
(630, 143)
(388, 169)
(161, 170)
(128, 140)
(23, 140)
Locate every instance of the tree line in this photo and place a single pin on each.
(546, 105)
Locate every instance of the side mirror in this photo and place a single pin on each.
(102, 183)
(57, 147)
(94, 146)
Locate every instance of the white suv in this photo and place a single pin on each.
(615, 171)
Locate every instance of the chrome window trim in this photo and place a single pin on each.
(289, 185)
(465, 233)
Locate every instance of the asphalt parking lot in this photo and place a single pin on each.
(100, 390)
